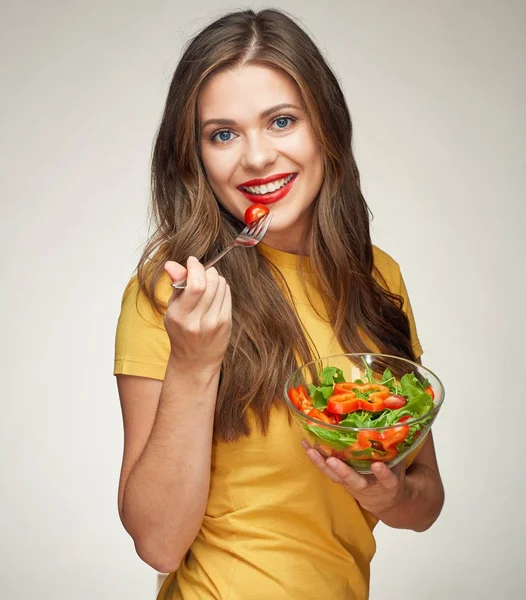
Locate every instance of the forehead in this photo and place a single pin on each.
(245, 92)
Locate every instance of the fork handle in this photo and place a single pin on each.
(180, 285)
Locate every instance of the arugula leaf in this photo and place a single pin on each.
(331, 375)
(321, 393)
(368, 371)
(358, 418)
(410, 439)
(389, 381)
(368, 453)
(388, 417)
(338, 439)
(387, 376)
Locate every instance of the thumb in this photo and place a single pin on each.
(176, 271)
(387, 478)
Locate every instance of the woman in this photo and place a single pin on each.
(215, 487)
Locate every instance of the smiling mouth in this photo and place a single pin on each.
(267, 191)
(271, 186)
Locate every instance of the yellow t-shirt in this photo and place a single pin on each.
(275, 527)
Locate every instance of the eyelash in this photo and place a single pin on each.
(216, 142)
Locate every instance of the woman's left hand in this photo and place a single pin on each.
(378, 493)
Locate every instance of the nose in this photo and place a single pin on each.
(258, 152)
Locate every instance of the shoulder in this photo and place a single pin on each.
(135, 300)
(142, 345)
(386, 270)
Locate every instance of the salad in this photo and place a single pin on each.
(365, 404)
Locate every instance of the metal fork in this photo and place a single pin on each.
(250, 236)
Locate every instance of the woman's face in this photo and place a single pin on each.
(257, 145)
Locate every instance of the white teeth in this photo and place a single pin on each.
(269, 187)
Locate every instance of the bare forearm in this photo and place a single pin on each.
(165, 496)
(422, 502)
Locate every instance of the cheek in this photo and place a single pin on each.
(304, 150)
(218, 166)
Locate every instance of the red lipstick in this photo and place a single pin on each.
(270, 197)
(266, 180)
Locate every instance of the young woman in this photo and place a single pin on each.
(215, 485)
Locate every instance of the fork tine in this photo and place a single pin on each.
(263, 226)
(255, 226)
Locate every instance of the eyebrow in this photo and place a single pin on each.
(266, 113)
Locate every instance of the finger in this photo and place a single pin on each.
(350, 478)
(214, 306)
(207, 299)
(387, 478)
(177, 273)
(321, 464)
(226, 307)
(195, 285)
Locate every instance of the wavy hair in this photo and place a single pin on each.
(267, 339)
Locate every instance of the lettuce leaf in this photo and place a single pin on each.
(320, 395)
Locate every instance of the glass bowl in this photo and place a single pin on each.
(364, 408)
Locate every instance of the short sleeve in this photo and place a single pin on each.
(391, 277)
(406, 307)
(142, 345)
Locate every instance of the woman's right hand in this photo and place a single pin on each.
(199, 318)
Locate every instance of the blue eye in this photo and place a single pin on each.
(222, 137)
(283, 122)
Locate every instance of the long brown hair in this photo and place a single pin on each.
(267, 338)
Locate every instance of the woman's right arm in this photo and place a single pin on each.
(168, 425)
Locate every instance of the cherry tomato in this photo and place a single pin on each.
(395, 401)
(254, 212)
(429, 390)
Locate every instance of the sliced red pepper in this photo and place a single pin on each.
(327, 451)
(343, 388)
(370, 453)
(333, 417)
(300, 398)
(341, 404)
(382, 443)
(317, 414)
(344, 400)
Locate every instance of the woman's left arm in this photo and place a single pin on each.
(411, 499)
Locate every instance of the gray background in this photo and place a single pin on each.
(437, 93)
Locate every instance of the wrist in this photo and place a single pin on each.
(401, 503)
(194, 372)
